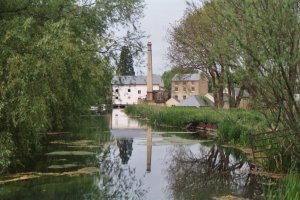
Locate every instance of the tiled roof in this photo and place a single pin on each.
(197, 101)
(134, 80)
(186, 77)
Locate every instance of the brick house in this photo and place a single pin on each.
(186, 85)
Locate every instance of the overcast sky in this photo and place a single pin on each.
(159, 15)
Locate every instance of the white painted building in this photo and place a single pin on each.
(129, 89)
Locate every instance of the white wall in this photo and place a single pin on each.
(125, 97)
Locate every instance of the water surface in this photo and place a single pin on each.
(116, 157)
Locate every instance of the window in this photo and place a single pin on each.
(193, 89)
(116, 97)
(184, 89)
(176, 96)
(184, 97)
(193, 83)
(176, 89)
(139, 92)
(117, 90)
(129, 90)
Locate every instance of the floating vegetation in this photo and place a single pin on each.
(77, 144)
(71, 153)
(64, 166)
(32, 175)
(57, 133)
(229, 197)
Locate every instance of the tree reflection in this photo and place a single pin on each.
(118, 181)
(125, 149)
(212, 172)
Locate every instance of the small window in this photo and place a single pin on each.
(129, 90)
(139, 92)
(176, 89)
(117, 90)
(184, 97)
(176, 97)
(116, 97)
(193, 89)
(184, 89)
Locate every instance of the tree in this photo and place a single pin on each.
(199, 42)
(125, 65)
(54, 63)
(268, 34)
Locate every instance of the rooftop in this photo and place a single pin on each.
(186, 77)
(135, 80)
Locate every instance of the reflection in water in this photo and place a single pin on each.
(212, 172)
(121, 121)
(117, 180)
(118, 165)
(149, 148)
(125, 149)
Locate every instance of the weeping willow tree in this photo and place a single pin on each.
(54, 63)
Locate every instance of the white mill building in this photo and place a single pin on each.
(134, 89)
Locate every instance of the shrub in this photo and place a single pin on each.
(6, 150)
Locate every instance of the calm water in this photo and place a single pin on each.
(116, 157)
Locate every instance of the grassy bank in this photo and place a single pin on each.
(234, 126)
(288, 189)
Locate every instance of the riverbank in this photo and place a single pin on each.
(233, 126)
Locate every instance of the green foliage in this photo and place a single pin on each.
(52, 65)
(6, 150)
(233, 125)
(125, 65)
(289, 189)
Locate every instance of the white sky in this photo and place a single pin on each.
(159, 15)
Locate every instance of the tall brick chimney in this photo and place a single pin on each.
(149, 74)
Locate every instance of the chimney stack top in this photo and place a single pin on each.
(149, 46)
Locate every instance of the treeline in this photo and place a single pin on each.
(54, 63)
(250, 44)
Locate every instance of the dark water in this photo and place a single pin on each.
(115, 157)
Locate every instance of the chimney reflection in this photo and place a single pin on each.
(149, 148)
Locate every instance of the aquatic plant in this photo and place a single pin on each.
(289, 189)
(234, 125)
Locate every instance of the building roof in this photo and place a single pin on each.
(135, 80)
(186, 77)
(196, 101)
(236, 93)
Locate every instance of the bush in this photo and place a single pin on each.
(6, 151)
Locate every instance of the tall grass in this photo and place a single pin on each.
(233, 125)
(289, 189)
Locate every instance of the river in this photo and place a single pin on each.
(117, 157)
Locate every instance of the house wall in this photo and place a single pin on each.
(121, 95)
(172, 102)
(189, 88)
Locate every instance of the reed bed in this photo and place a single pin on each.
(234, 125)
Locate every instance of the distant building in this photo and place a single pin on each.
(186, 85)
(133, 89)
(172, 102)
(197, 101)
(244, 98)
(244, 102)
